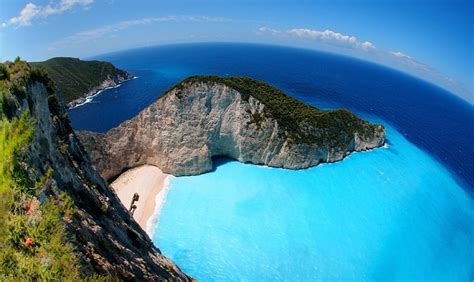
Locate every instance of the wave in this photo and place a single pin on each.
(160, 199)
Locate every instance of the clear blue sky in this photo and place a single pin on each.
(431, 39)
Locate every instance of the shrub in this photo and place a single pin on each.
(63, 148)
(68, 205)
(4, 74)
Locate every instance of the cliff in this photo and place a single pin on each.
(237, 117)
(60, 220)
(77, 79)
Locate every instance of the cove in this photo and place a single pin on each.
(392, 213)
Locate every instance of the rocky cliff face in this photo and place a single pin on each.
(104, 236)
(199, 119)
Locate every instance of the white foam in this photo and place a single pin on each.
(91, 97)
(160, 199)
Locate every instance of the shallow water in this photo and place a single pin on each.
(391, 213)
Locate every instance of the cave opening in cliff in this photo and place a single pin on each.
(220, 160)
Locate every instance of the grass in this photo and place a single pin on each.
(49, 256)
(33, 241)
(75, 77)
(301, 122)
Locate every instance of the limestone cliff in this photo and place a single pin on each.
(105, 239)
(240, 118)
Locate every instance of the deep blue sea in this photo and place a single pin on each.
(401, 212)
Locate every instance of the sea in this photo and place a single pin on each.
(401, 212)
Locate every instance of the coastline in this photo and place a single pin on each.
(105, 85)
(160, 199)
(151, 184)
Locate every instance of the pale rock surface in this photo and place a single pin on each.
(185, 128)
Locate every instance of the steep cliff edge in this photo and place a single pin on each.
(237, 117)
(51, 185)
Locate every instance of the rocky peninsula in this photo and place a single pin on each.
(237, 117)
(78, 81)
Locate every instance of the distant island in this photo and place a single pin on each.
(237, 117)
(77, 79)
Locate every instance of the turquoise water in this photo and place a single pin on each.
(391, 213)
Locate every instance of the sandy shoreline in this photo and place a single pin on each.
(148, 182)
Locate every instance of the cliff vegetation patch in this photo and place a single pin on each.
(334, 127)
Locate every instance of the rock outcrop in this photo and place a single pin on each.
(104, 236)
(239, 118)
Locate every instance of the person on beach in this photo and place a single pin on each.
(133, 207)
(135, 197)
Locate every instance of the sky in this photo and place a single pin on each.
(431, 39)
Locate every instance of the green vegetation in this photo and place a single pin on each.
(33, 243)
(63, 148)
(299, 120)
(75, 77)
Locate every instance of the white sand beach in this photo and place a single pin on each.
(145, 180)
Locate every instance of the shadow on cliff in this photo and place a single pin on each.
(113, 178)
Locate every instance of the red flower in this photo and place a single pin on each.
(28, 242)
(29, 209)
